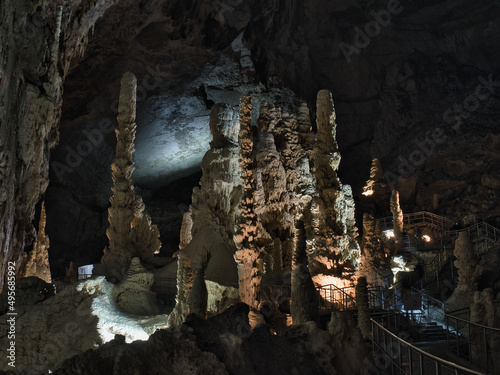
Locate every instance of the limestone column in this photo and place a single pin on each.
(397, 220)
(304, 304)
(363, 307)
(130, 231)
(246, 255)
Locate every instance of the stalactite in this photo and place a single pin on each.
(247, 253)
(304, 304)
(36, 263)
(130, 231)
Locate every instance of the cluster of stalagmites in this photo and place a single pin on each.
(269, 205)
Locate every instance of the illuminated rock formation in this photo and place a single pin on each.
(209, 227)
(333, 249)
(36, 262)
(397, 220)
(247, 253)
(130, 231)
(133, 295)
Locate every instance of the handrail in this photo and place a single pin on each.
(471, 323)
(420, 351)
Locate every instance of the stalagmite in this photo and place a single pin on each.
(304, 304)
(208, 228)
(36, 262)
(363, 307)
(246, 255)
(466, 264)
(331, 220)
(374, 265)
(133, 295)
(397, 220)
(372, 185)
(199, 295)
(130, 231)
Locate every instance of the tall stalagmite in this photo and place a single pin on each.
(130, 231)
(374, 265)
(304, 301)
(334, 250)
(397, 220)
(36, 263)
(247, 253)
(207, 235)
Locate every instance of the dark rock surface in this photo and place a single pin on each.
(220, 345)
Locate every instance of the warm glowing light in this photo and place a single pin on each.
(368, 192)
(389, 233)
(426, 238)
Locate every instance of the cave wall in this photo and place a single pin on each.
(412, 76)
(37, 42)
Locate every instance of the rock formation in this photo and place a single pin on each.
(484, 344)
(130, 231)
(466, 264)
(133, 295)
(375, 185)
(330, 222)
(397, 221)
(36, 262)
(259, 182)
(34, 65)
(364, 323)
(209, 227)
(374, 265)
(247, 253)
(304, 301)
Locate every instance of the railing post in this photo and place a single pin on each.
(485, 343)
(421, 363)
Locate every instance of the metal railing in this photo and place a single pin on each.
(332, 297)
(437, 265)
(401, 357)
(418, 218)
(61, 283)
(478, 344)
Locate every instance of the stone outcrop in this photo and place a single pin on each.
(81, 317)
(130, 230)
(36, 262)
